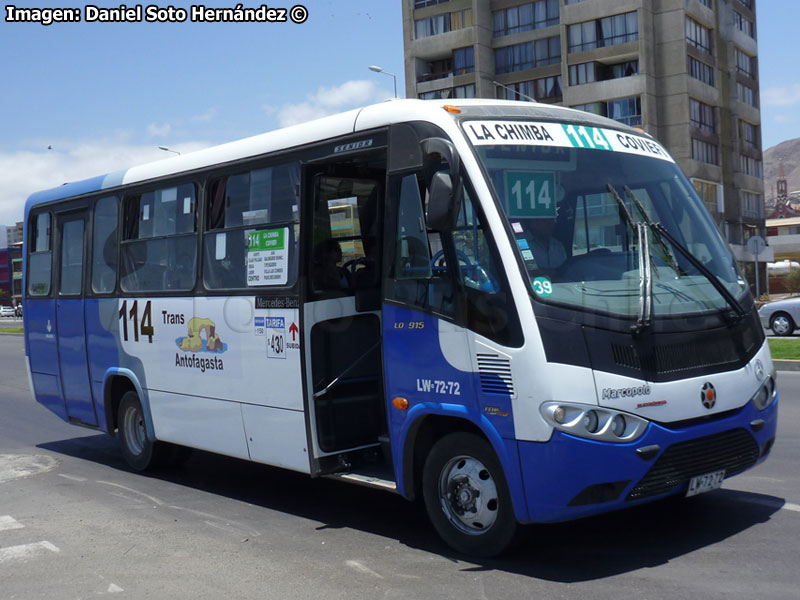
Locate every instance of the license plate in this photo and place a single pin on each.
(705, 483)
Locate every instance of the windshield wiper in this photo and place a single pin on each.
(667, 251)
(645, 277)
(661, 232)
(704, 271)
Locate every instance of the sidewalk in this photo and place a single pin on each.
(10, 323)
(786, 365)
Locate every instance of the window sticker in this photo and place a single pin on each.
(517, 227)
(542, 287)
(187, 205)
(268, 257)
(254, 217)
(221, 249)
(146, 212)
(523, 244)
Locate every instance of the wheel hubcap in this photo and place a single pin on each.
(133, 425)
(468, 494)
(780, 325)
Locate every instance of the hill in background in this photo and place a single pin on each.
(788, 153)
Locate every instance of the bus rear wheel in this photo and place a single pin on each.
(466, 495)
(138, 451)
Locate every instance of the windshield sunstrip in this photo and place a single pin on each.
(563, 135)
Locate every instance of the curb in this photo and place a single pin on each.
(787, 365)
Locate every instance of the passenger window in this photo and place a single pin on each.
(40, 256)
(104, 246)
(252, 228)
(159, 246)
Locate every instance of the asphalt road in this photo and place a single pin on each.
(76, 523)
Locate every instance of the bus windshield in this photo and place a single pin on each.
(573, 211)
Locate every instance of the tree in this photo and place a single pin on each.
(793, 281)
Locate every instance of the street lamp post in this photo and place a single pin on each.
(394, 77)
(165, 149)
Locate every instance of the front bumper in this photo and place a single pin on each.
(570, 477)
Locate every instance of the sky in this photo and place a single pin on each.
(84, 99)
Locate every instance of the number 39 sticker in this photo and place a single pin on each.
(542, 286)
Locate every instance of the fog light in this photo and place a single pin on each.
(559, 414)
(590, 421)
(618, 425)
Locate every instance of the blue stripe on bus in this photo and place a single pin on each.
(416, 369)
(551, 485)
(77, 188)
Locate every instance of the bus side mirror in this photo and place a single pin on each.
(444, 203)
(444, 193)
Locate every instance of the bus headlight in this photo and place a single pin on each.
(590, 421)
(618, 425)
(593, 422)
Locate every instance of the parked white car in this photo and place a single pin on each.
(782, 316)
(6, 311)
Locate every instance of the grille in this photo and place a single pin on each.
(674, 358)
(733, 451)
(713, 350)
(495, 374)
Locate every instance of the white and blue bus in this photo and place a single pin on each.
(520, 313)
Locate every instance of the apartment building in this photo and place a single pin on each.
(685, 71)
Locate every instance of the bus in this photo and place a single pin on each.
(533, 319)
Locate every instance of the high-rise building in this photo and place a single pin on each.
(15, 233)
(685, 71)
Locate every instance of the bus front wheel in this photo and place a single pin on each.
(466, 495)
(138, 451)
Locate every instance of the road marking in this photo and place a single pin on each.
(14, 466)
(228, 524)
(152, 499)
(772, 503)
(114, 589)
(354, 564)
(26, 551)
(72, 477)
(8, 522)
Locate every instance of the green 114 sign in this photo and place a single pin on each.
(530, 195)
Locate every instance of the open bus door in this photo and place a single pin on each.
(342, 319)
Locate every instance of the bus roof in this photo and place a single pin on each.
(362, 119)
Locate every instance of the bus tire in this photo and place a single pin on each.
(466, 495)
(138, 451)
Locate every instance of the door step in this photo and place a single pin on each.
(366, 480)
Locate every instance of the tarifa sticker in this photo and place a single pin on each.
(542, 286)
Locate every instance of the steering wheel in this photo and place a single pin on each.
(352, 265)
(475, 275)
